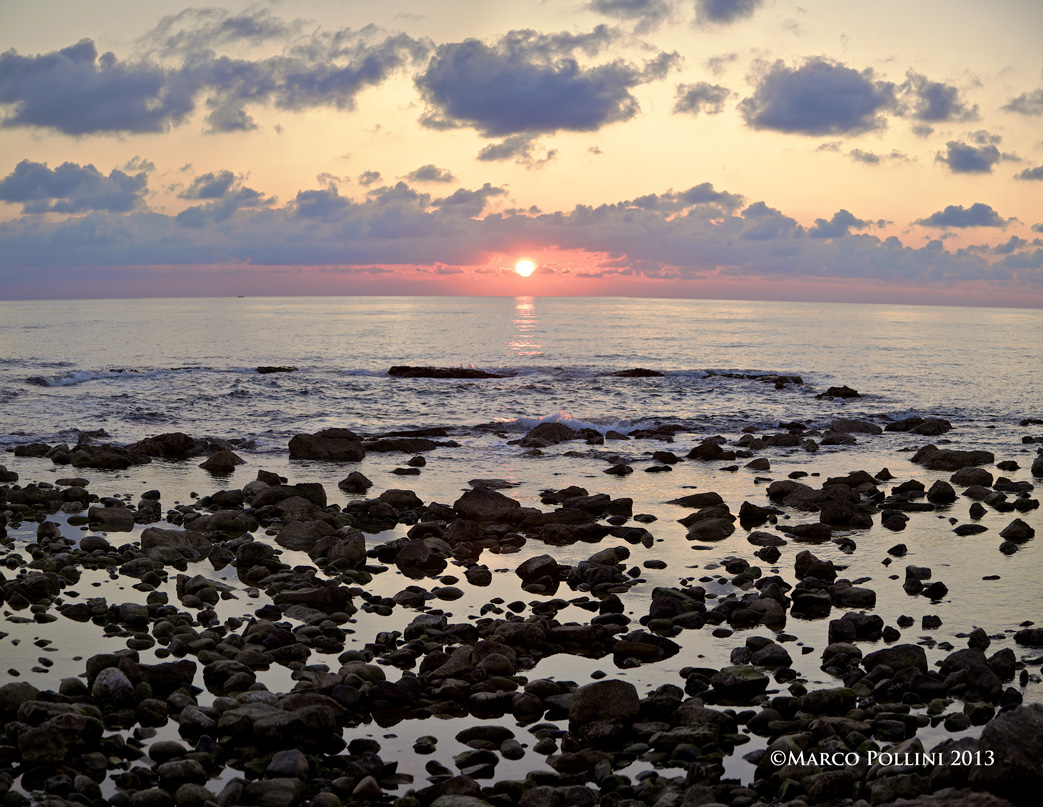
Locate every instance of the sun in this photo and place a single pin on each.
(525, 267)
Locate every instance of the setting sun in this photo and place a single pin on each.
(525, 267)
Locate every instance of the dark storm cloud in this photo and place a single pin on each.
(1031, 173)
(1028, 103)
(431, 173)
(820, 97)
(725, 12)
(529, 83)
(71, 188)
(76, 91)
(837, 227)
(701, 97)
(977, 215)
(647, 14)
(933, 101)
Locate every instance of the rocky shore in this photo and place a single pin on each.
(272, 623)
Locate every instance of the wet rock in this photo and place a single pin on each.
(1014, 737)
(897, 658)
(1017, 531)
(111, 519)
(335, 445)
(849, 426)
(971, 475)
(941, 493)
(947, 459)
(355, 482)
(408, 371)
(1030, 637)
(842, 392)
(222, 462)
(112, 687)
(917, 425)
(807, 565)
(739, 684)
(604, 700)
(484, 504)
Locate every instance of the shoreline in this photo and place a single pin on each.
(378, 613)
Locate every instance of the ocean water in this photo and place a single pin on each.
(137, 368)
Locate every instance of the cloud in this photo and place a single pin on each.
(521, 148)
(719, 64)
(934, 102)
(701, 97)
(431, 173)
(196, 29)
(648, 14)
(71, 188)
(688, 235)
(1028, 103)
(530, 83)
(468, 202)
(367, 178)
(139, 164)
(77, 92)
(725, 12)
(871, 158)
(977, 215)
(223, 193)
(837, 227)
(74, 91)
(820, 97)
(209, 186)
(1031, 173)
(962, 158)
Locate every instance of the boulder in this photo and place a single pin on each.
(484, 504)
(111, 519)
(948, 459)
(1012, 740)
(222, 462)
(334, 445)
(604, 700)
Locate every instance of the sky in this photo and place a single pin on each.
(887, 152)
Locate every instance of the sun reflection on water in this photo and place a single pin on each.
(527, 340)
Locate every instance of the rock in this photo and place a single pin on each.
(941, 493)
(1014, 738)
(710, 529)
(112, 687)
(971, 476)
(807, 565)
(698, 500)
(537, 567)
(355, 482)
(483, 504)
(266, 370)
(897, 658)
(1017, 531)
(739, 684)
(111, 519)
(947, 459)
(1030, 637)
(839, 392)
(604, 700)
(849, 426)
(222, 462)
(334, 445)
(407, 371)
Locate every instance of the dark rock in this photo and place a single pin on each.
(406, 371)
(334, 445)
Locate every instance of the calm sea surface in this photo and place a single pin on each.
(138, 367)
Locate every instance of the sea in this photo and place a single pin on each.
(121, 370)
